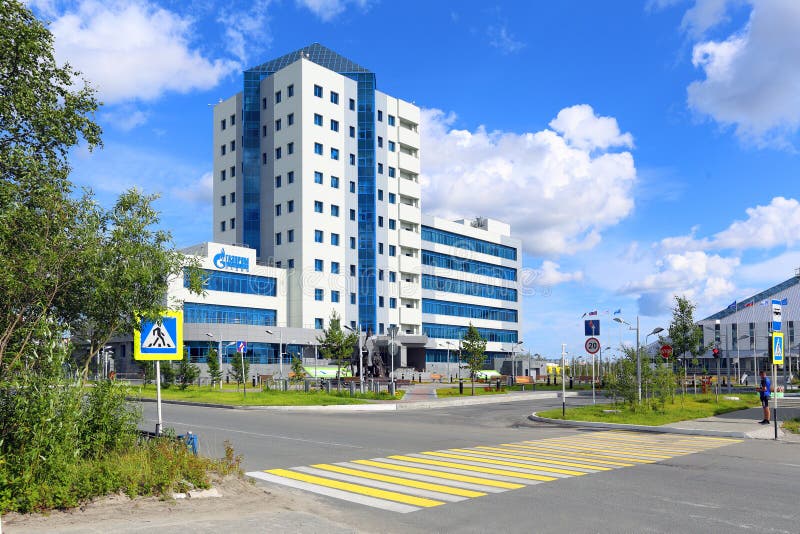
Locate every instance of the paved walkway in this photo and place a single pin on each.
(419, 393)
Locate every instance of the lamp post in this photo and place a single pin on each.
(357, 331)
(513, 361)
(219, 353)
(738, 352)
(280, 351)
(563, 381)
(638, 353)
(392, 333)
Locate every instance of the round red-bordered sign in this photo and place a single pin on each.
(592, 345)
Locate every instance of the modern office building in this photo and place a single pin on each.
(742, 330)
(316, 185)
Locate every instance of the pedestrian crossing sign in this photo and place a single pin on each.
(160, 340)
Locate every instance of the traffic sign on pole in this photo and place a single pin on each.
(591, 327)
(777, 348)
(592, 345)
(666, 351)
(776, 315)
(160, 340)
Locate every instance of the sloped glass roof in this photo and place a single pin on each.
(317, 53)
(755, 299)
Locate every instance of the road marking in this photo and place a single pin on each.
(406, 483)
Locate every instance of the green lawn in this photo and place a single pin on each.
(792, 425)
(480, 389)
(256, 397)
(691, 408)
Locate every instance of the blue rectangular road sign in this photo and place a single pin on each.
(241, 346)
(591, 327)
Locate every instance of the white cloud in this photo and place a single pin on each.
(327, 10)
(502, 39)
(198, 192)
(704, 15)
(124, 117)
(752, 77)
(559, 192)
(134, 50)
(550, 275)
(251, 34)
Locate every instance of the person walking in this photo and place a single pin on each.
(764, 391)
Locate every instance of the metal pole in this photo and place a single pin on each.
(360, 362)
(728, 355)
(244, 378)
(593, 381)
(219, 358)
(391, 357)
(158, 397)
(638, 363)
(775, 399)
(448, 361)
(563, 376)
(280, 354)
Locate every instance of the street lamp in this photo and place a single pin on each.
(448, 344)
(513, 367)
(638, 354)
(280, 350)
(738, 352)
(219, 354)
(357, 331)
(392, 333)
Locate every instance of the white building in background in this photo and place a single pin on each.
(316, 186)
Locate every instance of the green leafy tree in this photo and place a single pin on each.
(335, 345)
(473, 352)
(148, 370)
(236, 372)
(214, 372)
(167, 374)
(684, 334)
(187, 371)
(298, 370)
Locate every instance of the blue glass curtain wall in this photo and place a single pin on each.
(472, 311)
(213, 313)
(440, 356)
(257, 353)
(442, 237)
(450, 331)
(451, 285)
(236, 283)
(445, 261)
(251, 170)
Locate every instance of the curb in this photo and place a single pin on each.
(384, 407)
(642, 428)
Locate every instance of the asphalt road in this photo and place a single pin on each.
(745, 486)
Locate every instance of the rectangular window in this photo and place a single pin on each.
(391, 146)
(317, 119)
(392, 302)
(290, 119)
(380, 221)
(263, 158)
(290, 91)
(233, 172)
(222, 226)
(318, 91)
(392, 198)
(264, 130)
(278, 125)
(352, 131)
(233, 224)
(278, 182)
(334, 97)
(380, 142)
(222, 175)
(319, 294)
(278, 153)
(222, 200)
(390, 120)
(290, 148)
(318, 206)
(319, 236)
(392, 276)
(319, 265)
(318, 148)
(278, 238)
(352, 215)
(233, 197)
(290, 236)
(233, 120)
(352, 159)
(222, 124)
(290, 206)
(334, 210)
(380, 302)
(352, 186)
(317, 177)
(290, 263)
(335, 182)
(352, 105)
(352, 270)
(380, 274)
(335, 267)
(334, 296)
(335, 153)
(277, 97)
(277, 210)
(222, 150)
(380, 168)
(264, 103)
(380, 116)
(380, 194)
(353, 243)
(334, 125)
(380, 248)
(290, 177)
(335, 240)
(352, 298)
(392, 250)
(391, 172)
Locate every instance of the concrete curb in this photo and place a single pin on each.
(641, 428)
(379, 407)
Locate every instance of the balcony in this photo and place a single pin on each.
(410, 265)
(409, 213)
(408, 137)
(408, 187)
(409, 239)
(410, 290)
(408, 162)
(410, 315)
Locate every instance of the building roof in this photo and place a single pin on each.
(755, 299)
(317, 53)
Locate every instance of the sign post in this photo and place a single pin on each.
(592, 345)
(777, 359)
(666, 351)
(241, 348)
(156, 341)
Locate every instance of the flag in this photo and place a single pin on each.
(747, 305)
(584, 315)
(785, 302)
(618, 311)
(731, 306)
(593, 312)
(764, 302)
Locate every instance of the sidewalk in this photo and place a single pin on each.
(739, 424)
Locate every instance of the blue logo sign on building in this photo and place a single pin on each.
(228, 261)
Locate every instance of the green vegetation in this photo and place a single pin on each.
(691, 408)
(337, 346)
(480, 390)
(792, 425)
(259, 398)
(473, 352)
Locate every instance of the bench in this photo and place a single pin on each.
(523, 381)
(436, 376)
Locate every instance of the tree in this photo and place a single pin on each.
(685, 335)
(473, 352)
(298, 371)
(335, 345)
(167, 374)
(148, 369)
(214, 372)
(187, 371)
(236, 372)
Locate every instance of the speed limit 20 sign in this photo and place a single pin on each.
(592, 345)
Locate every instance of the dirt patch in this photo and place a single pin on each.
(243, 507)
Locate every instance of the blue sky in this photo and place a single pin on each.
(640, 150)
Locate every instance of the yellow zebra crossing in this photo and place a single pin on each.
(409, 482)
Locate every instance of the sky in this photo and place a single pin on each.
(640, 150)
